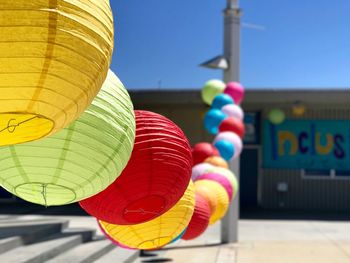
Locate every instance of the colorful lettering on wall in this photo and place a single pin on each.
(307, 144)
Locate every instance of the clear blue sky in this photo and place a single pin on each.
(305, 43)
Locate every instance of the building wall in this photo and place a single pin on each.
(303, 193)
(328, 193)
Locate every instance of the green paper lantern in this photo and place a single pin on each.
(79, 161)
(211, 89)
(276, 116)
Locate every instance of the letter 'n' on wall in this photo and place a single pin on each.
(285, 138)
(324, 149)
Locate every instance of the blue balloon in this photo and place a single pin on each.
(213, 119)
(221, 100)
(226, 149)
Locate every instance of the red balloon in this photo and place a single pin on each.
(234, 125)
(200, 219)
(202, 151)
(155, 178)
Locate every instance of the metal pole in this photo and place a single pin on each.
(232, 37)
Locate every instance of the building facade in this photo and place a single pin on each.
(301, 164)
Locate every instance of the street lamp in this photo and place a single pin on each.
(230, 64)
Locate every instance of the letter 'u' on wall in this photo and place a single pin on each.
(54, 58)
(324, 149)
(285, 137)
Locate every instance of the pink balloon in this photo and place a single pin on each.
(233, 110)
(200, 169)
(236, 91)
(219, 179)
(233, 138)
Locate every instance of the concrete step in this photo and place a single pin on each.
(29, 234)
(87, 234)
(85, 253)
(119, 255)
(42, 251)
(6, 244)
(10, 228)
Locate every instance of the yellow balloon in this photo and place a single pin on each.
(54, 58)
(221, 198)
(229, 175)
(217, 161)
(158, 232)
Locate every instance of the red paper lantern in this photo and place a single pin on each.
(202, 151)
(200, 219)
(155, 178)
(234, 125)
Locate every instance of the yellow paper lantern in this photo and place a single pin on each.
(81, 160)
(206, 193)
(298, 109)
(158, 232)
(54, 58)
(222, 200)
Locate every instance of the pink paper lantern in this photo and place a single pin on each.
(236, 91)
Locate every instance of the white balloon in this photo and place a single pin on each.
(233, 110)
(200, 169)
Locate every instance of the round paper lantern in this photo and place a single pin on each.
(208, 195)
(54, 59)
(298, 109)
(178, 237)
(79, 161)
(158, 232)
(232, 138)
(221, 179)
(217, 161)
(276, 116)
(236, 91)
(225, 148)
(229, 175)
(221, 100)
(221, 196)
(155, 178)
(200, 219)
(200, 169)
(212, 120)
(233, 124)
(111, 239)
(233, 110)
(202, 151)
(211, 89)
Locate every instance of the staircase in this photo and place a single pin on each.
(51, 240)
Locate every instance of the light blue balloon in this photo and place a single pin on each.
(221, 100)
(213, 119)
(226, 149)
